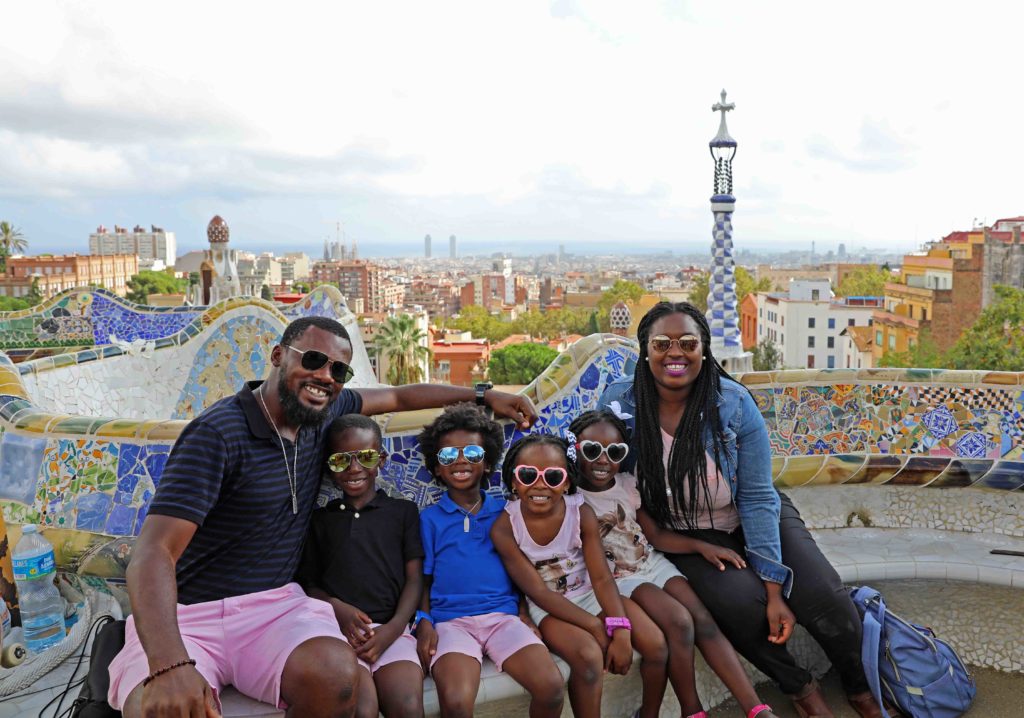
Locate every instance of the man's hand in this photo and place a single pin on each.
(426, 643)
(781, 620)
(373, 648)
(717, 555)
(179, 692)
(354, 624)
(619, 656)
(511, 406)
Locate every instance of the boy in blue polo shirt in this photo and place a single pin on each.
(470, 607)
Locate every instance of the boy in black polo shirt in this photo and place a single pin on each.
(363, 555)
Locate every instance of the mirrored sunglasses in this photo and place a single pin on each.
(450, 454)
(686, 343)
(312, 360)
(592, 450)
(368, 458)
(554, 476)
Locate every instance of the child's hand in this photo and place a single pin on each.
(354, 624)
(525, 618)
(619, 656)
(373, 648)
(426, 643)
(717, 554)
(600, 634)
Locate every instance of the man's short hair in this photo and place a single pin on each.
(298, 327)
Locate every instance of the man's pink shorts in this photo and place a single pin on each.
(403, 649)
(242, 641)
(495, 635)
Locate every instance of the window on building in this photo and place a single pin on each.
(810, 361)
(831, 361)
(878, 338)
(847, 362)
(760, 312)
(831, 323)
(892, 342)
(850, 322)
(782, 339)
(783, 322)
(810, 322)
(831, 342)
(910, 343)
(924, 314)
(810, 342)
(815, 295)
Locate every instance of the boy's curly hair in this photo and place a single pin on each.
(462, 417)
(512, 459)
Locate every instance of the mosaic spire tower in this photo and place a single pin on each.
(723, 310)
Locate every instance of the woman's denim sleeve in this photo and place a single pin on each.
(757, 501)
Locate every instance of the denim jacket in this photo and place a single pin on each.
(747, 465)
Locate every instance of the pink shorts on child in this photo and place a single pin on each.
(241, 641)
(495, 635)
(403, 649)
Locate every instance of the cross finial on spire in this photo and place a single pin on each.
(723, 139)
(723, 106)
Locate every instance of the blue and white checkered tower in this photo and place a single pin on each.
(723, 309)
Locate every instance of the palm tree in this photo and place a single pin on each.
(12, 241)
(399, 340)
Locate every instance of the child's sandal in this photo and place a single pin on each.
(758, 710)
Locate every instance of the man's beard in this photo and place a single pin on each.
(297, 413)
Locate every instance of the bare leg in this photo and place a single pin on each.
(366, 696)
(457, 677)
(715, 647)
(649, 642)
(400, 690)
(319, 680)
(586, 664)
(533, 669)
(675, 621)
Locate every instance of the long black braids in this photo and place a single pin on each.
(687, 467)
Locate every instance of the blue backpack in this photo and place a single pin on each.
(907, 665)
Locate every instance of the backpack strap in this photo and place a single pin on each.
(872, 640)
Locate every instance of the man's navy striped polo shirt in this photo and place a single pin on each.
(226, 473)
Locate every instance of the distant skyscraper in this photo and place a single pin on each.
(561, 253)
(426, 246)
(841, 254)
(452, 253)
(327, 249)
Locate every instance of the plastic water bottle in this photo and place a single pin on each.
(42, 609)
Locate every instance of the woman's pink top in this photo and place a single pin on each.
(716, 510)
(560, 562)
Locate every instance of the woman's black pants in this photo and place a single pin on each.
(822, 605)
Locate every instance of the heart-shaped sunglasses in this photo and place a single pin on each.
(554, 476)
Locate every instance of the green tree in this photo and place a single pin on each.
(12, 304)
(923, 355)
(266, 293)
(624, 291)
(866, 281)
(766, 356)
(592, 326)
(481, 324)
(995, 342)
(746, 284)
(12, 241)
(148, 282)
(697, 291)
(520, 363)
(34, 296)
(399, 340)
(300, 287)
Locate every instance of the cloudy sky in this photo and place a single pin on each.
(513, 124)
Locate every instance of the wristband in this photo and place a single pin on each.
(421, 616)
(148, 679)
(613, 622)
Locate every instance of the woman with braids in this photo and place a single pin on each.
(703, 467)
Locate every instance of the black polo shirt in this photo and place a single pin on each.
(227, 474)
(361, 561)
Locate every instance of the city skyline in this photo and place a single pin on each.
(441, 124)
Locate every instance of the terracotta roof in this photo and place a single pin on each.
(863, 337)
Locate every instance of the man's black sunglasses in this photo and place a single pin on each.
(313, 360)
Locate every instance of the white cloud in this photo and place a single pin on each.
(861, 124)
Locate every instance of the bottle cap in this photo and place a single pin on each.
(29, 529)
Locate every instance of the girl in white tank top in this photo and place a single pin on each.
(550, 544)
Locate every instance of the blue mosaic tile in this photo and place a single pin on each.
(940, 421)
(972, 445)
(21, 457)
(121, 520)
(92, 510)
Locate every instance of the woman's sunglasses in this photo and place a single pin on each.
(527, 475)
(450, 454)
(368, 458)
(313, 360)
(592, 451)
(686, 343)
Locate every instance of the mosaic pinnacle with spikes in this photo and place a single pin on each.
(723, 310)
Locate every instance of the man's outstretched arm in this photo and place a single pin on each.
(431, 396)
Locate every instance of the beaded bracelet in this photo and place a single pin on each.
(179, 664)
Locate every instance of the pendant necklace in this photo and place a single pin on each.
(293, 470)
(465, 521)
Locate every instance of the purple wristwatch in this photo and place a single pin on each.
(613, 622)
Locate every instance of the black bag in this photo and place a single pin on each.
(92, 701)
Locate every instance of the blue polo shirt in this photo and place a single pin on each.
(469, 578)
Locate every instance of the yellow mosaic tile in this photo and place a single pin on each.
(800, 470)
